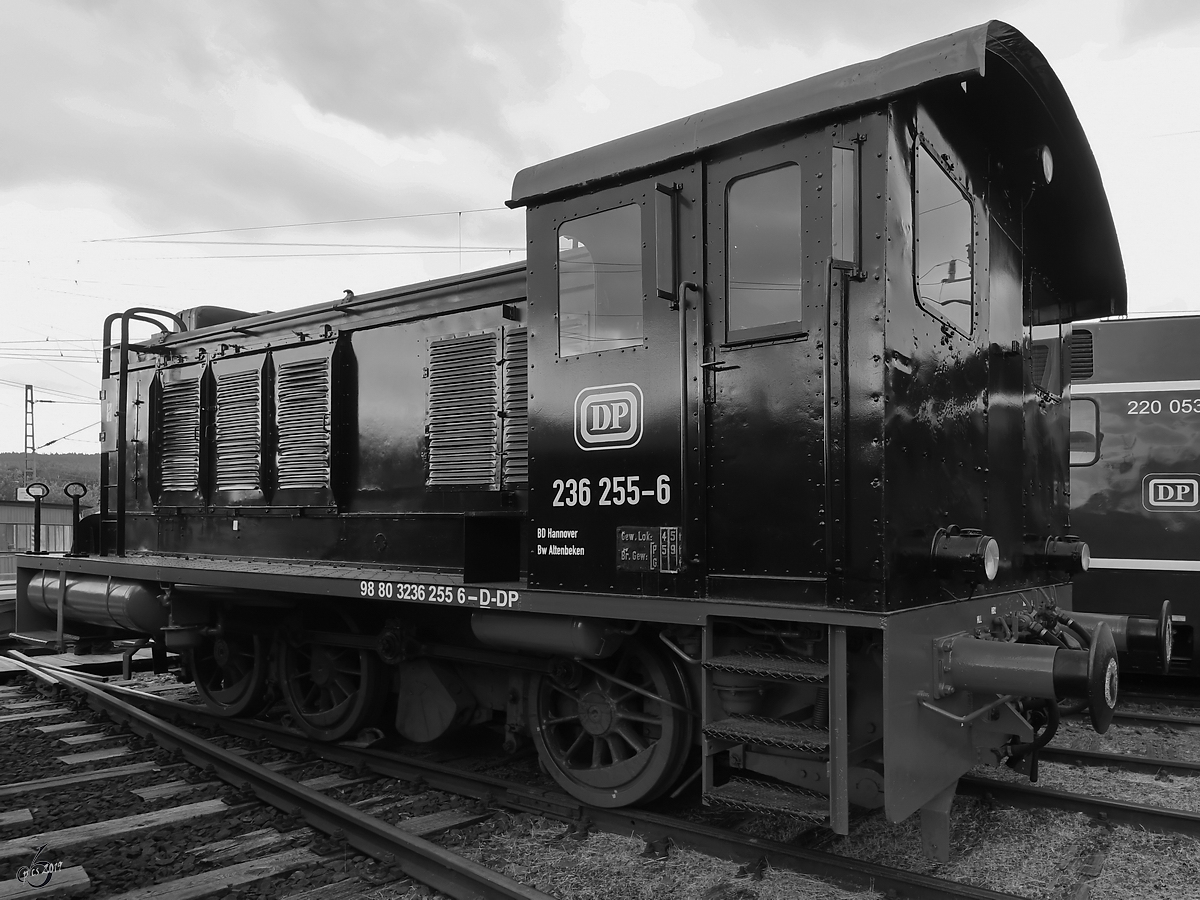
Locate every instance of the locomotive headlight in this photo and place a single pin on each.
(1066, 554)
(991, 559)
(1033, 166)
(1046, 159)
(965, 551)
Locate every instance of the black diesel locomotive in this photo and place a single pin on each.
(1135, 476)
(743, 477)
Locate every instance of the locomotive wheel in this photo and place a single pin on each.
(332, 691)
(611, 746)
(231, 674)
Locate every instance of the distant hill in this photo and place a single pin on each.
(54, 469)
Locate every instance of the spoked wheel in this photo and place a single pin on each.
(231, 674)
(332, 691)
(607, 743)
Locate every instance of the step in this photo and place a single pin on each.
(770, 733)
(771, 665)
(760, 796)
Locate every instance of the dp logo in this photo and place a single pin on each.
(608, 417)
(1171, 493)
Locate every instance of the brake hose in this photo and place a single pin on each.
(1047, 735)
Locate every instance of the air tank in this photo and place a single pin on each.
(95, 600)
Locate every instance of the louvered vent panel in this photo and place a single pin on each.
(179, 459)
(516, 408)
(1081, 354)
(463, 427)
(302, 416)
(239, 431)
(1041, 355)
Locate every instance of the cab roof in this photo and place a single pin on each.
(1018, 92)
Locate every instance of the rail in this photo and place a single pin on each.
(423, 860)
(1130, 763)
(648, 825)
(1151, 818)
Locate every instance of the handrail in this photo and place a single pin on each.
(139, 314)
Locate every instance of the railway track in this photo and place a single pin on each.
(1181, 690)
(1153, 719)
(1147, 816)
(1028, 796)
(123, 702)
(134, 708)
(1129, 762)
(403, 852)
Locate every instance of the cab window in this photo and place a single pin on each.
(600, 282)
(944, 232)
(763, 254)
(1085, 431)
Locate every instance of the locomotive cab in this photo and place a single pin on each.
(742, 481)
(807, 320)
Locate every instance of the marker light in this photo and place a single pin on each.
(1033, 165)
(991, 559)
(1046, 158)
(965, 551)
(1066, 554)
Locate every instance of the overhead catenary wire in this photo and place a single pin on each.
(64, 353)
(49, 340)
(429, 215)
(412, 247)
(63, 371)
(46, 390)
(67, 435)
(508, 250)
(70, 356)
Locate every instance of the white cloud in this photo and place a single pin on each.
(131, 116)
(593, 100)
(646, 37)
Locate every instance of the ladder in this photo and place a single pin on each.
(823, 738)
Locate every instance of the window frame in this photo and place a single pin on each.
(792, 328)
(1096, 420)
(922, 142)
(645, 241)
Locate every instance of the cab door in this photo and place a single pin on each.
(609, 398)
(767, 276)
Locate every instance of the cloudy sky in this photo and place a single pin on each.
(265, 154)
